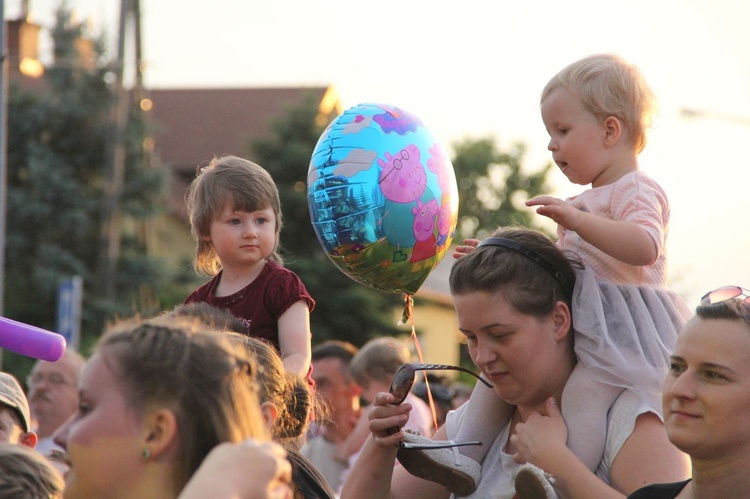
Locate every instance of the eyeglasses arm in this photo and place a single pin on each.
(439, 367)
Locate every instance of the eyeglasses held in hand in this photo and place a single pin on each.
(725, 293)
(401, 385)
(404, 378)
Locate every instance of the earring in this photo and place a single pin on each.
(146, 454)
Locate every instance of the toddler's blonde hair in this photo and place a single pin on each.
(608, 85)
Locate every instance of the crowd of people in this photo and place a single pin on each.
(594, 379)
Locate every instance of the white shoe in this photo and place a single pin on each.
(457, 473)
(534, 483)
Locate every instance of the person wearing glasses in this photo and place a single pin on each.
(706, 398)
(513, 297)
(53, 395)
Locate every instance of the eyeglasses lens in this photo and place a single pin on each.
(402, 382)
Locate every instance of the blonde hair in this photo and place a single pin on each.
(287, 391)
(379, 360)
(26, 474)
(608, 85)
(179, 363)
(233, 181)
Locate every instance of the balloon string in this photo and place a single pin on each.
(408, 316)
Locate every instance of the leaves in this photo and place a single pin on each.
(492, 187)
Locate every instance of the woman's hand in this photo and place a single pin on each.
(541, 438)
(386, 420)
(468, 246)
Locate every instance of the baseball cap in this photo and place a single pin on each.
(12, 395)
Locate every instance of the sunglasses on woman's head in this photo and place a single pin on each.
(401, 385)
(725, 293)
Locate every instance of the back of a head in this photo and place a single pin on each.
(208, 382)
(26, 474)
(379, 359)
(522, 282)
(337, 349)
(288, 392)
(213, 317)
(72, 360)
(608, 85)
(234, 182)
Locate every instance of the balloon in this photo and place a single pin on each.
(31, 341)
(383, 197)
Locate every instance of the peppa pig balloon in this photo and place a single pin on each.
(383, 197)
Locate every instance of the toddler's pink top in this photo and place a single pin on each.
(633, 198)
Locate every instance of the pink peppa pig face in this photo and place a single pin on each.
(402, 177)
(424, 219)
(444, 220)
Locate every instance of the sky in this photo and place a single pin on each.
(475, 68)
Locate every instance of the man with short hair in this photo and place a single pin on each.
(53, 395)
(341, 393)
(15, 419)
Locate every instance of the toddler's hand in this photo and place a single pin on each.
(541, 437)
(558, 210)
(468, 246)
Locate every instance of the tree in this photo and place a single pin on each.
(492, 187)
(57, 155)
(344, 309)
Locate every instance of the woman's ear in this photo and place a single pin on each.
(270, 413)
(612, 130)
(160, 433)
(562, 320)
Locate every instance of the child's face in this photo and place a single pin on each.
(10, 432)
(243, 239)
(576, 137)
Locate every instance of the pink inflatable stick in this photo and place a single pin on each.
(31, 341)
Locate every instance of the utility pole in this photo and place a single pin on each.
(3, 154)
(111, 224)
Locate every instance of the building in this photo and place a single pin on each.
(192, 125)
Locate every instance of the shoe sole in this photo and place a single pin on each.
(529, 486)
(420, 465)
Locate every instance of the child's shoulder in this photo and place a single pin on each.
(638, 177)
(639, 182)
(203, 291)
(274, 271)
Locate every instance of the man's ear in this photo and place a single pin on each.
(29, 439)
(612, 130)
(562, 320)
(160, 432)
(354, 389)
